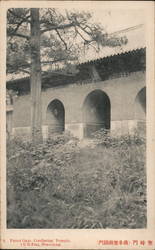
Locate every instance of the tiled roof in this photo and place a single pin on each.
(136, 40)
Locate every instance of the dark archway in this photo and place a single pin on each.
(96, 112)
(140, 105)
(56, 117)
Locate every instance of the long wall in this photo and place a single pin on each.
(122, 93)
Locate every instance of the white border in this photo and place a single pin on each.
(83, 238)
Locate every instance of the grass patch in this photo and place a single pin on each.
(57, 184)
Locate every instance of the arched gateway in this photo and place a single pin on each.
(55, 116)
(96, 112)
(140, 105)
(88, 108)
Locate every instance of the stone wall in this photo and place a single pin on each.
(122, 93)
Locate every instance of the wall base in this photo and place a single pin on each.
(128, 127)
(77, 129)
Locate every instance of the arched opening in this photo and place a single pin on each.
(140, 105)
(96, 112)
(56, 117)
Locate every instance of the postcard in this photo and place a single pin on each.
(77, 126)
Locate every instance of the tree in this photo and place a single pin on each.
(35, 76)
(46, 36)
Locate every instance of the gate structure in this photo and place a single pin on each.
(107, 91)
(96, 112)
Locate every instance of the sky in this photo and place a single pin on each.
(111, 16)
(114, 20)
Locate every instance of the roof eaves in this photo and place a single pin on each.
(111, 55)
(88, 61)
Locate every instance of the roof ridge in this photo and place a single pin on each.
(127, 29)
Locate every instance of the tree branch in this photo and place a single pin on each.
(54, 61)
(19, 35)
(97, 50)
(58, 27)
(24, 19)
(19, 69)
(65, 44)
(24, 70)
(84, 29)
(86, 41)
(17, 27)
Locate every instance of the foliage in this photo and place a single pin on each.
(63, 35)
(104, 138)
(37, 39)
(58, 184)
